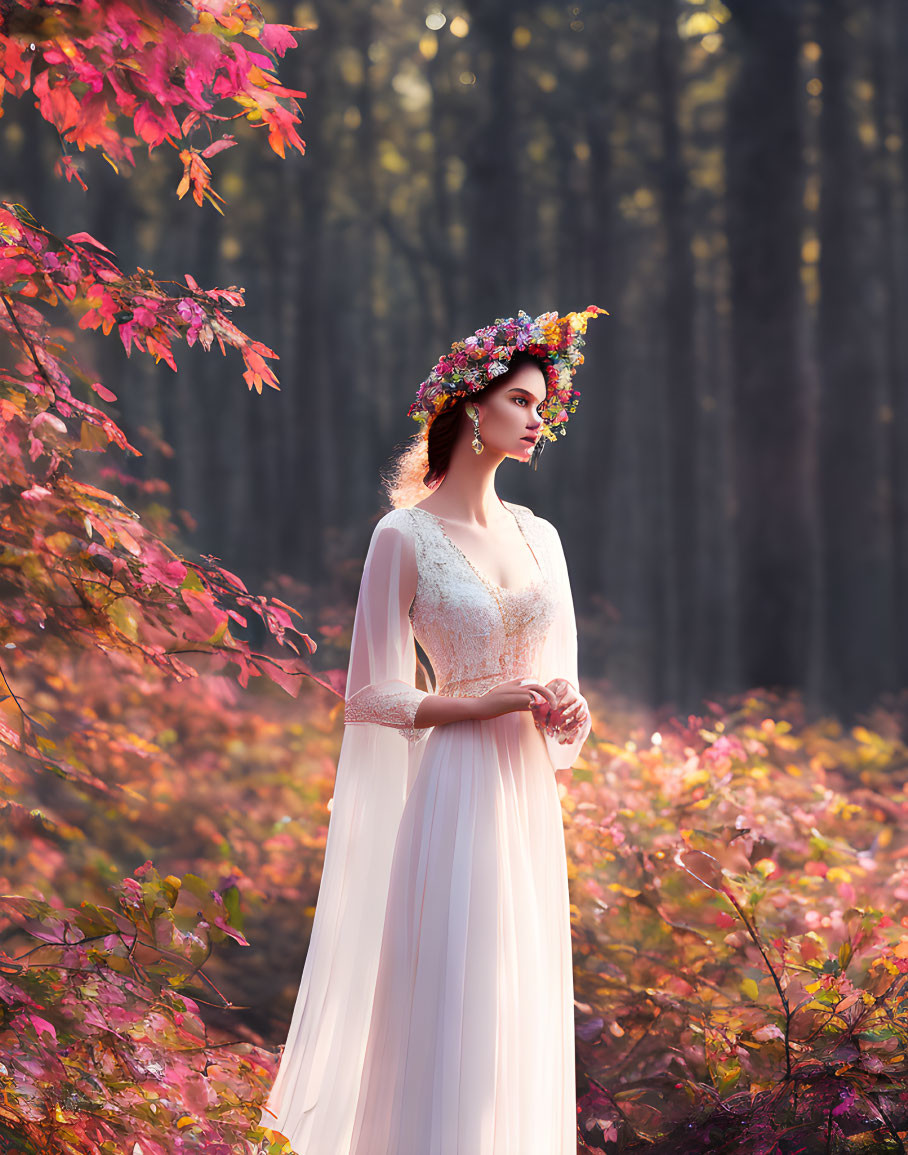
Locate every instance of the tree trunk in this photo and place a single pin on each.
(855, 527)
(763, 204)
(677, 414)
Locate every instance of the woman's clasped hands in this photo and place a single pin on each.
(567, 716)
(557, 707)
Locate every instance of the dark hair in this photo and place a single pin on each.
(445, 428)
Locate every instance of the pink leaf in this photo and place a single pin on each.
(229, 930)
(103, 392)
(88, 239)
(43, 1025)
(35, 493)
(218, 146)
(278, 38)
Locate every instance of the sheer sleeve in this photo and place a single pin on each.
(381, 678)
(315, 1090)
(559, 653)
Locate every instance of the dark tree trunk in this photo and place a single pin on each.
(595, 429)
(494, 204)
(855, 528)
(891, 41)
(675, 676)
(763, 206)
(314, 496)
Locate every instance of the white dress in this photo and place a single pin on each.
(435, 1010)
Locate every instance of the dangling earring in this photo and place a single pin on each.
(537, 450)
(474, 417)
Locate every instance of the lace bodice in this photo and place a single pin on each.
(418, 584)
(474, 632)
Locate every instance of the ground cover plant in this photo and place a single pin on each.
(739, 914)
(740, 883)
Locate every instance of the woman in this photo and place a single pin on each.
(435, 1011)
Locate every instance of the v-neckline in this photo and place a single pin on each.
(479, 573)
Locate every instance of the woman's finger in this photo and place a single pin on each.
(560, 688)
(543, 690)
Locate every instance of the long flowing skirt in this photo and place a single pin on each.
(470, 1046)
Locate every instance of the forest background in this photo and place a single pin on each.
(728, 180)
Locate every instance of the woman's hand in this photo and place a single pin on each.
(517, 694)
(567, 715)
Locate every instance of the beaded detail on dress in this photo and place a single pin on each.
(475, 633)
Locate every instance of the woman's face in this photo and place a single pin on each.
(509, 420)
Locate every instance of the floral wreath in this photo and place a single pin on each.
(475, 362)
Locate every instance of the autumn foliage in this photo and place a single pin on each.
(114, 75)
(79, 566)
(99, 1015)
(740, 887)
(98, 1022)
